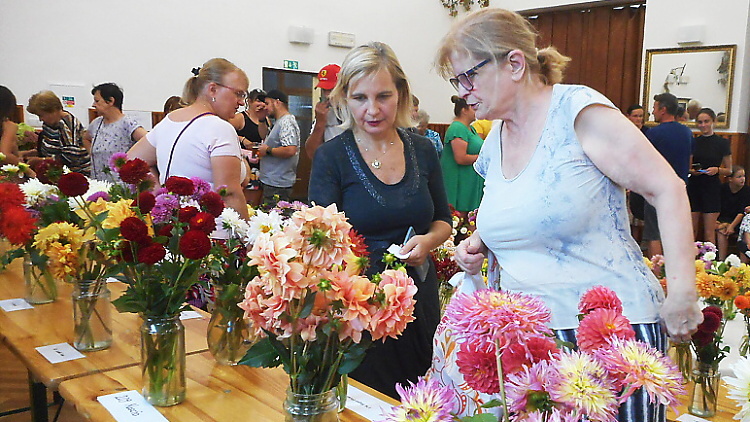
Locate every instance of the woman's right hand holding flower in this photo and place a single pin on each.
(470, 254)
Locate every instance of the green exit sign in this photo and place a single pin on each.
(291, 64)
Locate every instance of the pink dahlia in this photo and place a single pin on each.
(601, 327)
(526, 390)
(599, 297)
(498, 314)
(583, 385)
(274, 256)
(477, 363)
(423, 401)
(397, 308)
(525, 353)
(321, 235)
(354, 293)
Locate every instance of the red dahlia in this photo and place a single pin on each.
(11, 195)
(73, 184)
(195, 244)
(166, 230)
(126, 251)
(134, 229)
(180, 185)
(134, 171)
(204, 222)
(186, 213)
(212, 203)
(711, 322)
(359, 247)
(152, 254)
(48, 171)
(146, 202)
(17, 225)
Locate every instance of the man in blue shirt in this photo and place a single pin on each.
(674, 141)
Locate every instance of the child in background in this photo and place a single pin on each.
(735, 196)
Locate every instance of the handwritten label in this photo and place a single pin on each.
(10, 305)
(365, 405)
(190, 315)
(56, 353)
(686, 417)
(130, 406)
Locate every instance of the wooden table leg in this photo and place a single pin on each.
(38, 400)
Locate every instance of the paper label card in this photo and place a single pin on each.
(9, 305)
(687, 417)
(130, 406)
(365, 405)
(56, 353)
(190, 315)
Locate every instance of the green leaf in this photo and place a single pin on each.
(309, 303)
(492, 403)
(262, 354)
(482, 417)
(353, 357)
(128, 302)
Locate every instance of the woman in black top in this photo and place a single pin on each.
(735, 196)
(712, 157)
(252, 124)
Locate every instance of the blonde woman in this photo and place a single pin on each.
(387, 180)
(198, 140)
(556, 170)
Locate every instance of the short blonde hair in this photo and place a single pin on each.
(44, 102)
(367, 60)
(492, 34)
(214, 70)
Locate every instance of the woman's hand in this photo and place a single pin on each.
(417, 250)
(681, 317)
(711, 171)
(470, 254)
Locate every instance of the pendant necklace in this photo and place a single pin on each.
(376, 164)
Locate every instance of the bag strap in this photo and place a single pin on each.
(171, 153)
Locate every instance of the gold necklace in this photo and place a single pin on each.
(376, 164)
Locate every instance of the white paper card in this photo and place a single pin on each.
(190, 315)
(9, 305)
(365, 405)
(112, 280)
(130, 406)
(394, 249)
(686, 417)
(56, 353)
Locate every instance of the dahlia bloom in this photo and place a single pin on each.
(583, 386)
(321, 235)
(599, 297)
(739, 388)
(601, 328)
(424, 401)
(476, 361)
(398, 305)
(526, 390)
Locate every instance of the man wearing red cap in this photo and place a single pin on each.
(325, 126)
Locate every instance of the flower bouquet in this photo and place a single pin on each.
(446, 268)
(706, 343)
(160, 241)
(739, 388)
(316, 312)
(14, 173)
(508, 350)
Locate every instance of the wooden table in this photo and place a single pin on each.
(725, 410)
(52, 323)
(214, 393)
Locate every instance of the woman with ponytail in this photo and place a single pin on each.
(556, 168)
(463, 185)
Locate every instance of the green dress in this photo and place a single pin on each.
(463, 185)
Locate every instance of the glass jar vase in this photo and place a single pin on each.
(40, 284)
(91, 315)
(163, 360)
(229, 336)
(704, 395)
(323, 407)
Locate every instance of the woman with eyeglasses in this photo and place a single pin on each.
(463, 185)
(198, 140)
(553, 213)
(388, 182)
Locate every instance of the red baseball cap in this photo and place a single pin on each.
(328, 76)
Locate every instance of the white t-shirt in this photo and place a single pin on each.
(560, 226)
(208, 136)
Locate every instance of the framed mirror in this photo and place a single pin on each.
(697, 76)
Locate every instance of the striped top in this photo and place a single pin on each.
(64, 142)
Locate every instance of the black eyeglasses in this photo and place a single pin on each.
(464, 79)
(241, 94)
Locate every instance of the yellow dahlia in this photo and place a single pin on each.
(118, 211)
(727, 289)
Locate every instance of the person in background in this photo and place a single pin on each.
(555, 174)
(735, 197)
(463, 185)
(326, 125)
(423, 119)
(62, 134)
(743, 238)
(482, 127)
(693, 108)
(712, 157)
(173, 103)
(111, 132)
(637, 115)
(386, 179)
(279, 152)
(682, 115)
(674, 141)
(9, 130)
(252, 124)
(198, 140)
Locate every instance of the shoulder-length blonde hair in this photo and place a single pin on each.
(492, 34)
(367, 60)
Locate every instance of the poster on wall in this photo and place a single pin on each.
(76, 98)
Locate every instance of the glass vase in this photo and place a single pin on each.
(341, 391)
(229, 336)
(682, 356)
(40, 284)
(745, 344)
(322, 407)
(703, 397)
(92, 316)
(163, 360)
